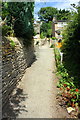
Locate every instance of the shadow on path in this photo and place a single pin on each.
(13, 107)
(16, 62)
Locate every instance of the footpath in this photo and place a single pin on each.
(35, 96)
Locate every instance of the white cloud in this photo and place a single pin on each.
(63, 5)
(51, 0)
(71, 1)
(74, 1)
(66, 5)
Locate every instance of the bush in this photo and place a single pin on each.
(54, 38)
(42, 35)
(12, 44)
(69, 71)
(19, 17)
(46, 29)
(6, 30)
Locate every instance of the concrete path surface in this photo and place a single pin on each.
(38, 86)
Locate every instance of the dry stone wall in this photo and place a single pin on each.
(14, 62)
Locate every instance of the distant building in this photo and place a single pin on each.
(57, 27)
(37, 25)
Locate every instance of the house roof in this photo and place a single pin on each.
(60, 21)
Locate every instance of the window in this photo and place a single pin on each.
(60, 24)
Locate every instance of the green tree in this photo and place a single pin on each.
(46, 29)
(47, 13)
(19, 15)
(63, 14)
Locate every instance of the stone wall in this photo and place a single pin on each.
(14, 62)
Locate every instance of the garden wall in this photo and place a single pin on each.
(15, 60)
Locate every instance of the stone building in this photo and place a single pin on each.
(57, 27)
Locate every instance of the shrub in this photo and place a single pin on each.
(6, 30)
(12, 44)
(42, 35)
(54, 38)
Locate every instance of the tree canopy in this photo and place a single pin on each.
(46, 29)
(47, 13)
(19, 16)
(63, 14)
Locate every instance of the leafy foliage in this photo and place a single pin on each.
(71, 46)
(69, 82)
(6, 30)
(19, 16)
(54, 38)
(63, 14)
(47, 13)
(70, 91)
(46, 29)
(12, 44)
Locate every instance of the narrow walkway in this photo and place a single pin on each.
(38, 84)
(39, 87)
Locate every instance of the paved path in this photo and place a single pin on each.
(38, 84)
(39, 87)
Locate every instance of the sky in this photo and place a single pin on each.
(60, 4)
